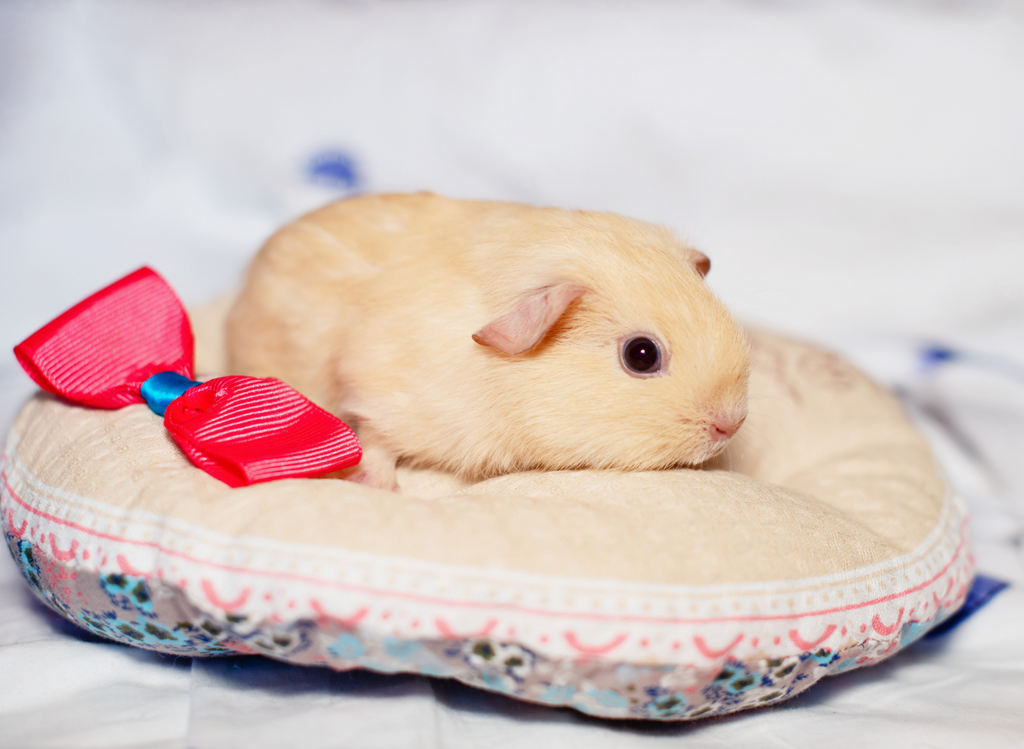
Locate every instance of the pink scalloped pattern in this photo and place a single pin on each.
(567, 641)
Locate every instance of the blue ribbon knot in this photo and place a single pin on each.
(163, 387)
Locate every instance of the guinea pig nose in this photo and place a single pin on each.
(723, 426)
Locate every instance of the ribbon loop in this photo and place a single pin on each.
(244, 430)
(100, 351)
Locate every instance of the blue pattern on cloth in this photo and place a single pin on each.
(334, 169)
(935, 356)
(983, 590)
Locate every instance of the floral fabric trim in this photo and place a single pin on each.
(607, 648)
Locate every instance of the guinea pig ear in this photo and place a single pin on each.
(701, 262)
(518, 331)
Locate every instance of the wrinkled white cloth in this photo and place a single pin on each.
(855, 171)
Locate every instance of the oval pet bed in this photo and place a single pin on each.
(822, 540)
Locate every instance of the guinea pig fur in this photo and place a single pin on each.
(483, 338)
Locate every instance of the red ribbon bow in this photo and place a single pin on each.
(241, 430)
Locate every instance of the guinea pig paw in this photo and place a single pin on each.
(379, 474)
(368, 478)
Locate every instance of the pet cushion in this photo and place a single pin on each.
(822, 540)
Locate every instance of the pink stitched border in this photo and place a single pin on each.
(491, 605)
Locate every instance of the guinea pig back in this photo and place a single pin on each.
(483, 338)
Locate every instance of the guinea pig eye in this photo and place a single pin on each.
(641, 356)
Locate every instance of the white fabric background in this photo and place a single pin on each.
(855, 170)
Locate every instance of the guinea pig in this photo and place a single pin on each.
(483, 338)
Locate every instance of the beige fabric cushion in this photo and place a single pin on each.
(825, 515)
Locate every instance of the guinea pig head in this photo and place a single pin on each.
(638, 368)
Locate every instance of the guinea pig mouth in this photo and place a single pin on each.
(712, 448)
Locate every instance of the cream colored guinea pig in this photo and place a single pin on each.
(483, 338)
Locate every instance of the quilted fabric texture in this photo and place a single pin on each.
(823, 540)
